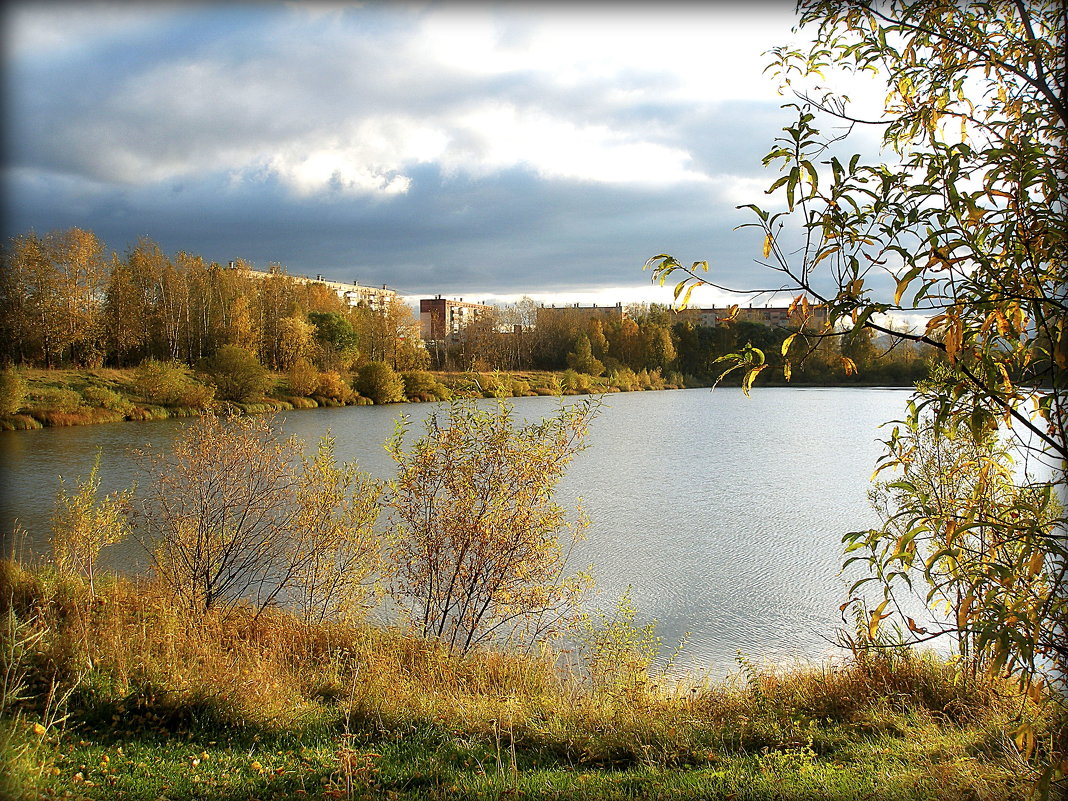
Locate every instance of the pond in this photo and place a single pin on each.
(723, 514)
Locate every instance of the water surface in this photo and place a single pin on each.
(723, 514)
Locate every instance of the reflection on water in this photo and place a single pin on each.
(724, 514)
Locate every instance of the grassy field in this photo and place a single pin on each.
(118, 695)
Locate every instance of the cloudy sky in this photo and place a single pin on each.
(485, 151)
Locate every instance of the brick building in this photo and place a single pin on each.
(441, 319)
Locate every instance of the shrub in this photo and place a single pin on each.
(45, 399)
(583, 360)
(575, 383)
(520, 388)
(12, 391)
(379, 382)
(492, 385)
(625, 379)
(169, 384)
(237, 374)
(547, 384)
(651, 380)
(481, 543)
(420, 385)
(82, 526)
(231, 519)
(331, 385)
(618, 654)
(303, 378)
(106, 399)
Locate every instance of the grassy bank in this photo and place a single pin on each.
(118, 696)
(69, 397)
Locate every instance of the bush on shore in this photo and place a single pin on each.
(237, 374)
(380, 382)
(12, 391)
(169, 384)
(420, 386)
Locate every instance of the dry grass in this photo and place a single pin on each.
(136, 661)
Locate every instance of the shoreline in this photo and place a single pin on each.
(127, 406)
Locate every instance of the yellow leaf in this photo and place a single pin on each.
(849, 365)
(1006, 383)
(1024, 737)
(934, 323)
(825, 253)
(876, 616)
(732, 313)
(1035, 691)
(903, 284)
(953, 338)
(950, 533)
(768, 242)
(39, 730)
(787, 370)
(1038, 559)
(750, 377)
(964, 610)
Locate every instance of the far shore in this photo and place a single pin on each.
(57, 397)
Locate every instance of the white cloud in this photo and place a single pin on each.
(45, 30)
(491, 137)
(328, 103)
(707, 53)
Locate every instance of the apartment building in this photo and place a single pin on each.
(777, 316)
(354, 294)
(442, 319)
(577, 316)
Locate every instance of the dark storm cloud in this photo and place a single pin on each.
(508, 233)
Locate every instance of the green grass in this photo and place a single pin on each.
(113, 759)
(121, 696)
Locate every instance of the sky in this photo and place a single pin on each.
(484, 151)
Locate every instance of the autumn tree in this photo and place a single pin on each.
(956, 516)
(335, 338)
(235, 513)
(380, 382)
(582, 358)
(79, 260)
(295, 340)
(83, 524)
(336, 555)
(390, 334)
(482, 545)
(31, 302)
(964, 224)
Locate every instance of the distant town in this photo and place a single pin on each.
(446, 319)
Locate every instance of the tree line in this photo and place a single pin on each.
(64, 302)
